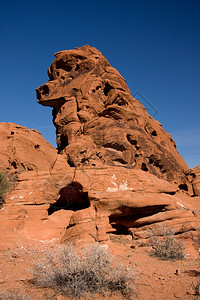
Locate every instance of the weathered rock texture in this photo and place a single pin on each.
(87, 205)
(194, 178)
(24, 149)
(125, 174)
(98, 122)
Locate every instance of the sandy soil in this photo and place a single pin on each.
(155, 279)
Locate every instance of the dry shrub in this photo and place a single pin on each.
(164, 244)
(82, 275)
(196, 288)
(120, 239)
(12, 295)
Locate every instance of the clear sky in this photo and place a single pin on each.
(155, 45)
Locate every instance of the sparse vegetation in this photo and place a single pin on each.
(164, 244)
(12, 295)
(197, 242)
(120, 239)
(196, 288)
(4, 187)
(82, 275)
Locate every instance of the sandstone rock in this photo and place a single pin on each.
(125, 202)
(194, 178)
(117, 171)
(87, 204)
(179, 226)
(24, 149)
(83, 216)
(98, 122)
(116, 179)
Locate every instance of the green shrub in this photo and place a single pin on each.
(4, 186)
(164, 244)
(82, 275)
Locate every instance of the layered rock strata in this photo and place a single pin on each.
(87, 205)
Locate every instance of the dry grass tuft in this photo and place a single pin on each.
(12, 295)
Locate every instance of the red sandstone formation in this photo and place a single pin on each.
(194, 178)
(24, 149)
(99, 123)
(125, 176)
(87, 205)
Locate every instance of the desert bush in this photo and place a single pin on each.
(82, 275)
(164, 244)
(4, 186)
(12, 295)
(196, 288)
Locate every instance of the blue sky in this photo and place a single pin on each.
(155, 45)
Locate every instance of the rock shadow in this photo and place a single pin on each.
(71, 197)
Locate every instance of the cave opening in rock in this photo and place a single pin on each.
(63, 143)
(13, 164)
(183, 186)
(45, 90)
(133, 218)
(154, 133)
(71, 197)
(65, 65)
(107, 88)
(144, 167)
(131, 140)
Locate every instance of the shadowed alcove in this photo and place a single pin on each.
(130, 217)
(71, 197)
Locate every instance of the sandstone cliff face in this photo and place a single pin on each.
(99, 123)
(24, 149)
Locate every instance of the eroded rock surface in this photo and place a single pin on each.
(98, 122)
(24, 149)
(87, 205)
(124, 175)
(194, 177)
